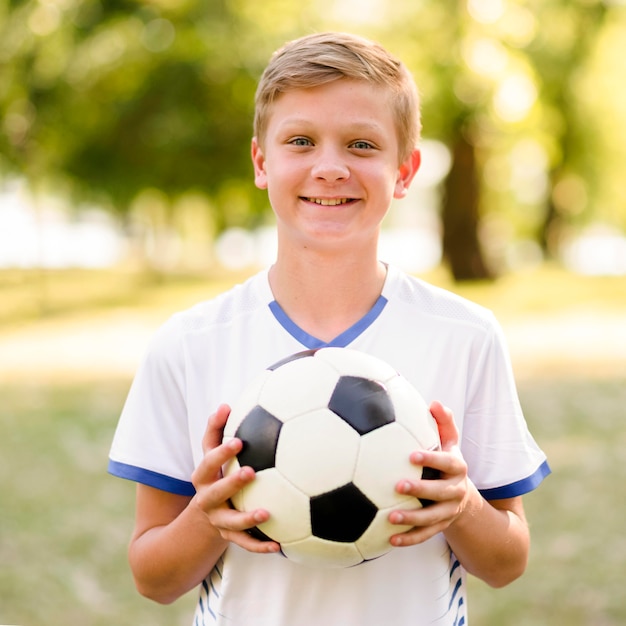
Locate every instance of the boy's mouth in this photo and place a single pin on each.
(329, 201)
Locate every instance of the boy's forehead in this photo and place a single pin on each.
(303, 105)
(314, 89)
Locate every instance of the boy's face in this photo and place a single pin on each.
(329, 161)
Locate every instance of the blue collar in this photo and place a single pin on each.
(342, 340)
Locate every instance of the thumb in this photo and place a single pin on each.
(448, 432)
(214, 432)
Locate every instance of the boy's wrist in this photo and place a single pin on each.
(470, 509)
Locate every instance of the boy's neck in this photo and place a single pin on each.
(325, 297)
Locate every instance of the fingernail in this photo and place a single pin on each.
(245, 474)
(397, 518)
(417, 457)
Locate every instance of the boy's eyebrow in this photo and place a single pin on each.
(357, 126)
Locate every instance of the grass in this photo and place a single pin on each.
(32, 295)
(65, 523)
(575, 575)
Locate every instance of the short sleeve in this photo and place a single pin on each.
(503, 458)
(151, 443)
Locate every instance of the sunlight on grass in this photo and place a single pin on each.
(30, 295)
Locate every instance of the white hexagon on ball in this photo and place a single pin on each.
(322, 440)
(383, 460)
(288, 507)
(284, 395)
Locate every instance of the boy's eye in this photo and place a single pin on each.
(362, 145)
(300, 141)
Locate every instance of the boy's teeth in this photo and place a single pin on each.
(328, 202)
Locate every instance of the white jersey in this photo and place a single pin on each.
(450, 349)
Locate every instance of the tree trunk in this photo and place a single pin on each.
(551, 225)
(461, 246)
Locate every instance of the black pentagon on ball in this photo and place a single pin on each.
(258, 431)
(362, 403)
(341, 515)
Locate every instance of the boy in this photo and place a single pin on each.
(336, 130)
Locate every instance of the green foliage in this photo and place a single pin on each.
(125, 96)
(110, 99)
(544, 166)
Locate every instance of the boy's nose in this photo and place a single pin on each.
(330, 167)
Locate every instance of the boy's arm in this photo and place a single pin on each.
(490, 539)
(173, 547)
(177, 539)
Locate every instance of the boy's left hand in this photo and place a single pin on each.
(449, 493)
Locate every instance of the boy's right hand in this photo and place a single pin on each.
(213, 491)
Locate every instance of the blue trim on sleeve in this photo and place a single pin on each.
(152, 479)
(341, 341)
(520, 487)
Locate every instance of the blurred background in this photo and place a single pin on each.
(126, 193)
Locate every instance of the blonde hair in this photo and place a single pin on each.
(321, 58)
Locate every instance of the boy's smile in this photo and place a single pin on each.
(329, 160)
(329, 201)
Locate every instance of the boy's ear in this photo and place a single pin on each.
(258, 160)
(406, 172)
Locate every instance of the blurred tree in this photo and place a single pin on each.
(501, 83)
(118, 99)
(560, 51)
(458, 128)
(431, 37)
(602, 90)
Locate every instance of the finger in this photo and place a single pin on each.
(417, 535)
(434, 491)
(446, 463)
(223, 490)
(422, 523)
(210, 467)
(451, 471)
(214, 432)
(233, 526)
(448, 432)
(228, 519)
(248, 542)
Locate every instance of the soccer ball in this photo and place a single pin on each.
(329, 433)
